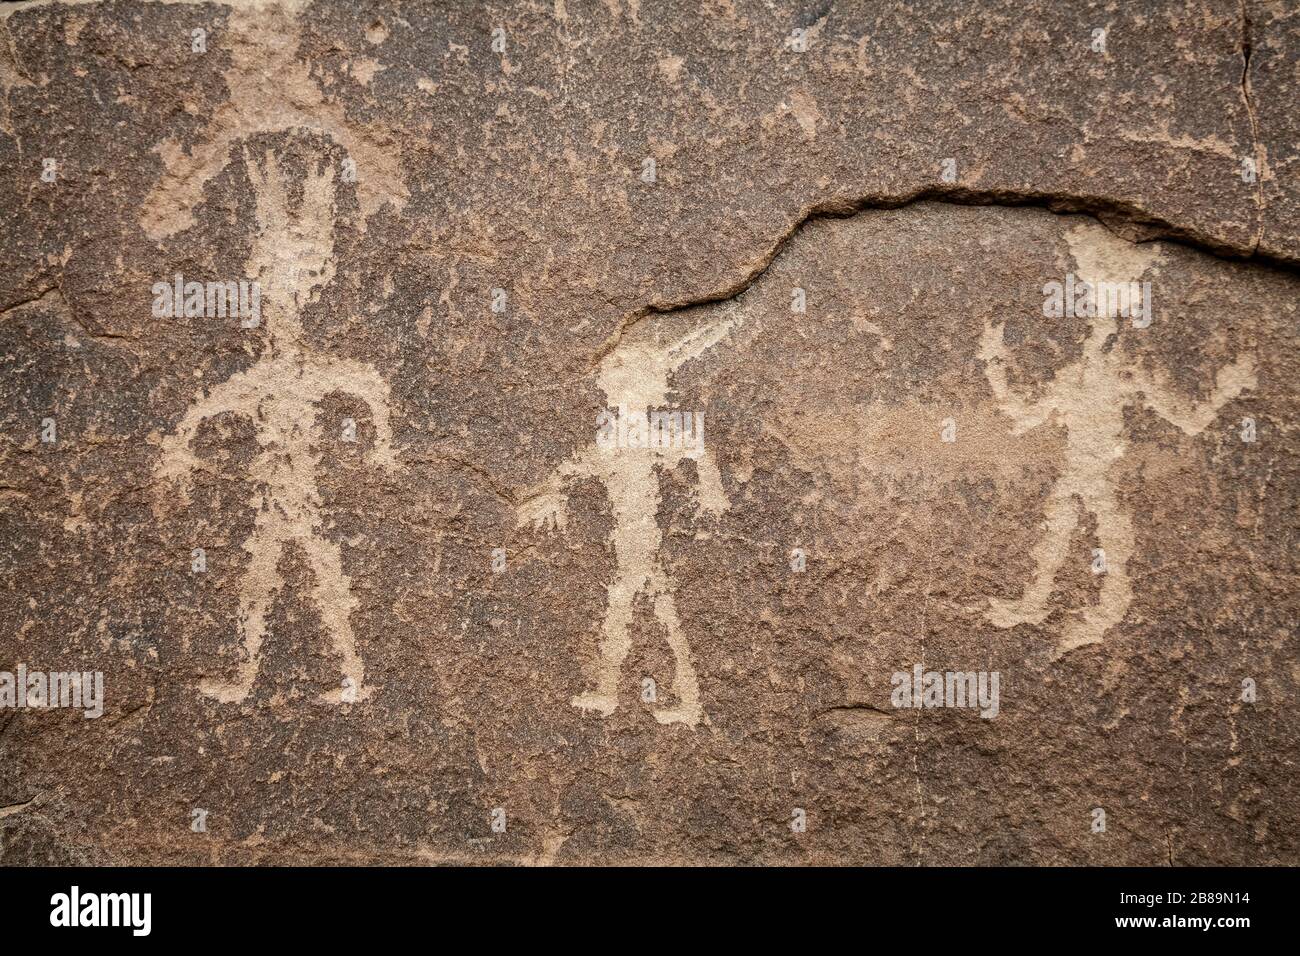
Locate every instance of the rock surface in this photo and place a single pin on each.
(376, 572)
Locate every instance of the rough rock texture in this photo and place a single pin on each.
(432, 643)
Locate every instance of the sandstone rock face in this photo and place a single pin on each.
(604, 432)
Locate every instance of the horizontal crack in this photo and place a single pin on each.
(48, 293)
(13, 808)
(1060, 204)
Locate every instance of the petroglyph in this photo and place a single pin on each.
(292, 258)
(271, 90)
(1088, 399)
(634, 377)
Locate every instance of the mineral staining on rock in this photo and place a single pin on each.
(474, 591)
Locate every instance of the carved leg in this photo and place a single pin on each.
(258, 586)
(1048, 554)
(1115, 534)
(685, 685)
(614, 646)
(333, 596)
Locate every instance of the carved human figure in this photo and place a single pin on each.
(292, 259)
(635, 377)
(1087, 399)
